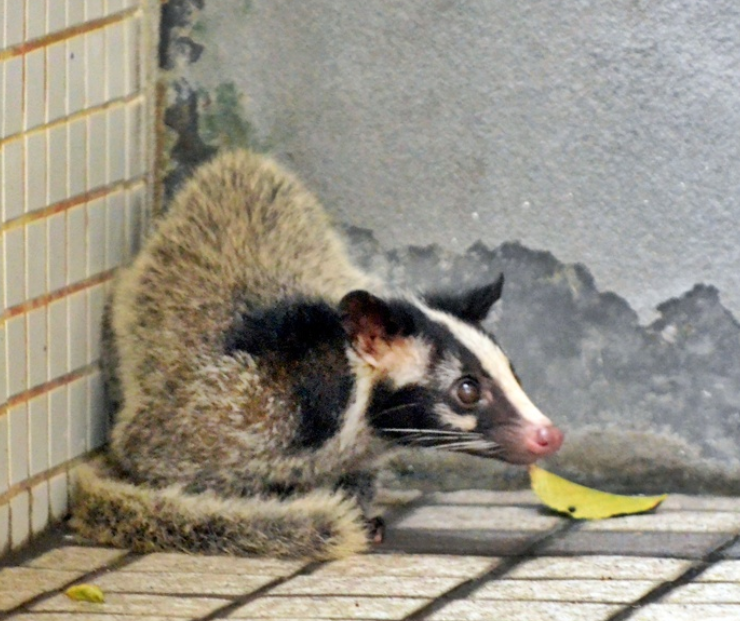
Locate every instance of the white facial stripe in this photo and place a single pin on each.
(354, 418)
(459, 422)
(493, 360)
(407, 361)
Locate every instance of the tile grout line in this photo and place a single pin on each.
(242, 600)
(123, 561)
(461, 591)
(694, 571)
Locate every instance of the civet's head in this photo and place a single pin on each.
(441, 380)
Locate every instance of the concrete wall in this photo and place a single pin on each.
(603, 133)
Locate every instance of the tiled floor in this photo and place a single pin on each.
(462, 556)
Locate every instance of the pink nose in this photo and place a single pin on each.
(543, 441)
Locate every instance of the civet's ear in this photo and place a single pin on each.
(370, 323)
(473, 305)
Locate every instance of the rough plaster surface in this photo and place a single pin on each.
(606, 134)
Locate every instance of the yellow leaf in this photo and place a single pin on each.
(85, 593)
(584, 503)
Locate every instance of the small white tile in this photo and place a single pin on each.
(20, 519)
(132, 63)
(77, 157)
(95, 306)
(56, 16)
(116, 128)
(724, 571)
(94, 9)
(34, 82)
(75, 74)
(56, 78)
(39, 507)
(37, 347)
(134, 216)
(38, 430)
(136, 160)
(95, 70)
(36, 18)
(12, 187)
(3, 370)
(16, 342)
(75, 12)
(114, 6)
(4, 456)
(58, 357)
(12, 117)
(58, 498)
(96, 150)
(116, 222)
(96, 236)
(115, 74)
(3, 306)
(14, 18)
(77, 330)
(98, 423)
(18, 434)
(58, 426)
(76, 244)
(36, 171)
(58, 173)
(78, 417)
(4, 528)
(57, 251)
(15, 266)
(36, 259)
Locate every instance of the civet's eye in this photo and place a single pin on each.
(467, 391)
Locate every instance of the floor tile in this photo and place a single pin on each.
(705, 593)
(25, 578)
(493, 543)
(484, 610)
(77, 558)
(676, 521)
(682, 502)
(733, 552)
(484, 497)
(390, 586)
(724, 571)
(594, 591)
(319, 607)
(687, 612)
(126, 603)
(475, 517)
(670, 544)
(181, 583)
(601, 568)
(422, 565)
(11, 599)
(89, 616)
(190, 563)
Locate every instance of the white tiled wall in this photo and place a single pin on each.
(76, 110)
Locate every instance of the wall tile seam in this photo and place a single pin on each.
(27, 485)
(135, 97)
(47, 298)
(45, 388)
(103, 191)
(68, 33)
